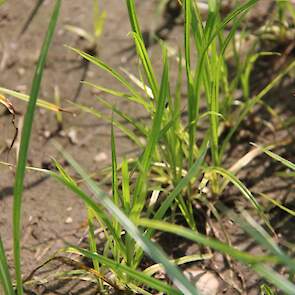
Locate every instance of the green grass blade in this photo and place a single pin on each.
(203, 240)
(278, 204)
(152, 140)
(256, 231)
(243, 189)
(141, 49)
(278, 158)
(40, 102)
(24, 146)
(100, 214)
(193, 172)
(147, 65)
(252, 102)
(276, 279)
(129, 97)
(117, 267)
(256, 262)
(126, 186)
(146, 244)
(134, 122)
(151, 270)
(128, 132)
(5, 278)
(94, 60)
(92, 242)
(115, 191)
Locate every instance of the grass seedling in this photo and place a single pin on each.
(179, 165)
(24, 147)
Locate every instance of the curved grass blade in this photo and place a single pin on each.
(278, 204)
(276, 279)
(5, 278)
(204, 240)
(128, 132)
(178, 261)
(233, 179)
(276, 157)
(117, 268)
(193, 172)
(146, 244)
(152, 139)
(114, 73)
(256, 262)
(141, 49)
(24, 146)
(40, 102)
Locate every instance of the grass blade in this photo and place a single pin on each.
(40, 102)
(256, 262)
(146, 244)
(134, 274)
(24, 146)
(277, 157)
(153, 138)
(5, 277)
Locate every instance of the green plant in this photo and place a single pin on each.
(171, 149)
(179, 164)
(21, 166)
(98, 25)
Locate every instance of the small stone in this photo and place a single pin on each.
(100, 157)
(205, 281)
(72, 134)
(21, 71)
(69, 220)
(47, 133)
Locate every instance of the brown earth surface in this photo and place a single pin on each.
(52, 216)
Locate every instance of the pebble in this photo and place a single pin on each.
(100, 157)
(73, 137)
(206, 282)
(69, 220)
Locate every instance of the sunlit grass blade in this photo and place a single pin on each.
(178, 261)
(96, 61)
(243, 189)
(24, 146)
(277, 157)
(146, 244)
(127, 131)
(256, 262)
(119, 94)
(121, 268)
(256, 231)
(204, 240)
(141, 49)
(153, 137)
(5, 278)
(275, 278)
(278, 204)
(248, 107)
(40, 102)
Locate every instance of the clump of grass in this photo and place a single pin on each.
(178, 167)
(175, 150)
